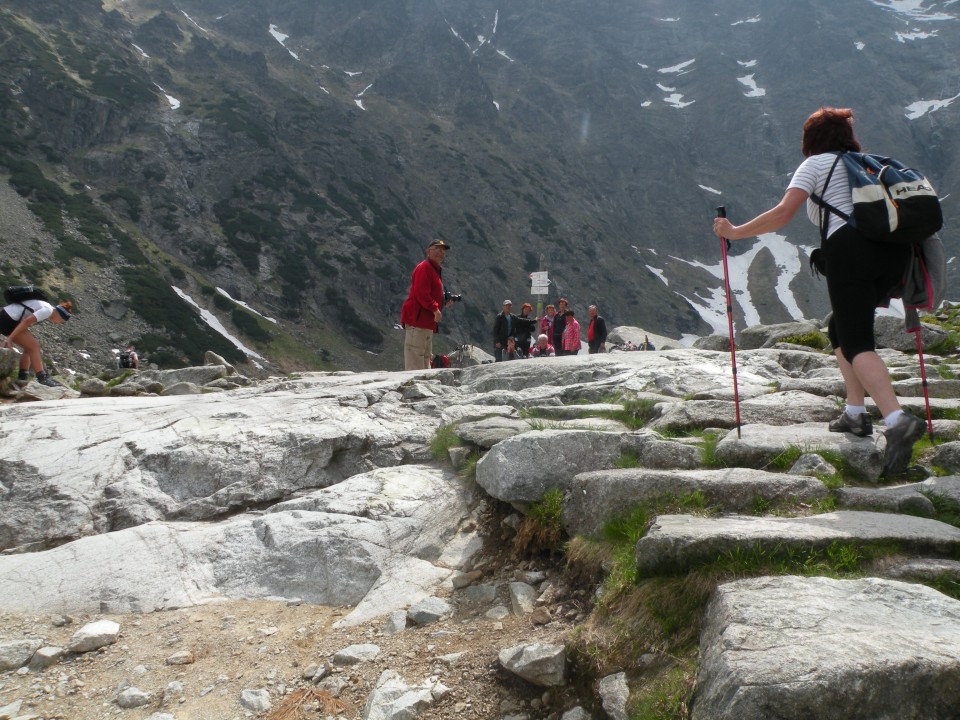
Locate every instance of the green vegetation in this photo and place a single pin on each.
(816, 340)
(947, 509)
(344, 315)
(161, 307)
(542, 528)
(250, 324)
(627, 460)
(708, 457)
(636, 413)
(127, 196)
(443, 439)
(50, 203)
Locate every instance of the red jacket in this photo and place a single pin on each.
(425, 297)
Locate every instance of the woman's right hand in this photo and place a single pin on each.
(723, 228)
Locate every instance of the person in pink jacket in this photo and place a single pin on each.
(571, 334)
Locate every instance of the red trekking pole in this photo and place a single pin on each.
(923, 378)
(724, 246)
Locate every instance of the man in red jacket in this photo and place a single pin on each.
(421, 310)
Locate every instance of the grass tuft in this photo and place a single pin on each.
(443, 439)
(542, 528)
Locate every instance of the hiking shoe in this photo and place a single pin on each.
(861, 425)
(900, 439)
(44, 379)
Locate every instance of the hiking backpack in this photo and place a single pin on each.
(125, 360)
(891, 202)
(19, 293)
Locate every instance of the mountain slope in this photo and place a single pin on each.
(298, 155)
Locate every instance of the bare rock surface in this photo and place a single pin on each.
(793, 647)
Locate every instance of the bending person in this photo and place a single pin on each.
(860, 277)
(16, 320)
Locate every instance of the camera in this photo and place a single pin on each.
(449, 297)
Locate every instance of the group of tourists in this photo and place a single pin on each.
(557, 333)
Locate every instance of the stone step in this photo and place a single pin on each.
(597, 497)
(680, 541)
(793, 647)
(759, 445)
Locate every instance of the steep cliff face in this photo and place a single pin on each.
(297, 155)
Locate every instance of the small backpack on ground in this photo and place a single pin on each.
(891, 202)
(19, 293)
(440, 361)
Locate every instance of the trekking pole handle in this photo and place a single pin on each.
(722, 213)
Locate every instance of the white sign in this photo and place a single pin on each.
(539, 278)
(539, 289)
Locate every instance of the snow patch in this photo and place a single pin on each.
(677, 68)
(174, 103)
(750, 20)
(193, 21)
(242, 304)
(659, 273)
(282, 39)
(211, 320)
(501, 52)
(859, 45)
(710, 189)
(752, 89)
(790, 261)
(922, 107)
(676, 100)
(140, 50)
(905, 37)
(912, 8)
(747, 63)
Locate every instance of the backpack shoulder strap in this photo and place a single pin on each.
(824, 205)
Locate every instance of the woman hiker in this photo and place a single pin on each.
(860, 276)
(15, 322)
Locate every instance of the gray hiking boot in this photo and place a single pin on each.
(860, 425)
(44, 379)
(900, 439)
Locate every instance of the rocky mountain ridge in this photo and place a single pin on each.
(282, 163)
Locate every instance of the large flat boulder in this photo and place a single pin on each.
(780, 408)
(105, 464)
(372, 542)
(524, 467)
(797, 648)
(678, 541)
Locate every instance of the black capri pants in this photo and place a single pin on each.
(861, 274)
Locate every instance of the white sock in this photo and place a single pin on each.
(854, 410)
(893, 418)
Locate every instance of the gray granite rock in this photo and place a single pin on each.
(793, 647)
